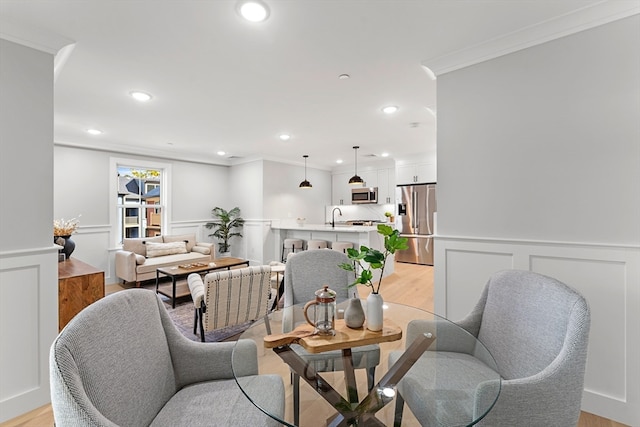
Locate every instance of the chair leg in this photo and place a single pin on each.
(397, 418)
(195, 321)
(296, 399)
(201, 324)
(371, 377)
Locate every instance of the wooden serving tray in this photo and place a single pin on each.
(345, 337)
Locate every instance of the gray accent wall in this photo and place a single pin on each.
(544, 143)
(539, 169)
(28, 258)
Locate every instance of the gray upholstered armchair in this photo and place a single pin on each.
(536, 328)
(305, 273)
(122, 362)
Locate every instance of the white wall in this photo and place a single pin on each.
(267, 191)
(82, 181)
(539, 169)
(285, 200)
(28, 258)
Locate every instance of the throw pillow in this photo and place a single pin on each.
(161, 249)
(138, 245)
(190, 239)
(140, 259)
(202, 250)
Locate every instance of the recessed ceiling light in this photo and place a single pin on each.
(285, 136)
(385, 154)
(344, 76)
(140, 96)
(94, 131)
(389, 109)
(339, 161)
(221, 153)
(253, 10)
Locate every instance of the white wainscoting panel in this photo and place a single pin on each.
(609, 278)
(28, 327)
(254, 242)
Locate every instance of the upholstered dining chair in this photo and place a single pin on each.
(535, 328)
(229, 297)
(305, 273)
(122, 362)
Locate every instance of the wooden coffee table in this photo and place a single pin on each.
(182, 271)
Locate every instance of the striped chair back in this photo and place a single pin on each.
(234, 297)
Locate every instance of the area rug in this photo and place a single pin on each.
(182, 317)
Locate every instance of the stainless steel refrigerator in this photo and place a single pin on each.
(416, 205)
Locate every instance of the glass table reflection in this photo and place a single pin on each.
(341, 397)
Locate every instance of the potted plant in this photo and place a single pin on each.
(390, 216)
(375, 260)
(224, 227)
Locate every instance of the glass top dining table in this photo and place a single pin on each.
(337, 395)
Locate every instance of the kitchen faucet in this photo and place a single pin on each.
(333, 217)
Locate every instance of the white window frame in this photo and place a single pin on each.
(165, 192)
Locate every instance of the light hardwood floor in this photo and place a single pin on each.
(410, 285)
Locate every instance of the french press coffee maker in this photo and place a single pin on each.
(324, 318)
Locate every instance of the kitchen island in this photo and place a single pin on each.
(357, 234)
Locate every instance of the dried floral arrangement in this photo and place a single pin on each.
(62, 227)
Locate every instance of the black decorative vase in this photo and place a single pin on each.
(68, 245)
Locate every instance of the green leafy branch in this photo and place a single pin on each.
(366, 259)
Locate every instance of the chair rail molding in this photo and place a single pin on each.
(607, 275)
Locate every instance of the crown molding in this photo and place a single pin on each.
(582, 19)
(35, 38)
(131, 150)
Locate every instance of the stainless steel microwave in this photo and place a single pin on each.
(361, 196)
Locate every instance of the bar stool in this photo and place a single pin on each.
(316, 244)
(290, 245)
(341, 246)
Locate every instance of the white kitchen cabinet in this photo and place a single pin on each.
(386, 186)
(340, 189)
(370, 177)
(414, 173)
(384, 179)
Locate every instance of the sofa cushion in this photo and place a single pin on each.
(221, 403)
(140, 259)
(162, 249)
(138, 246)
(151, 264)
(189, 239)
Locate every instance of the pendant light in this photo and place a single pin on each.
(305, 183)
(355, 179)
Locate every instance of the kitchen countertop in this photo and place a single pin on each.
(325, 227)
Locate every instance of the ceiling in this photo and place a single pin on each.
(220, 83)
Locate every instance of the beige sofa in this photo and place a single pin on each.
(139, 258)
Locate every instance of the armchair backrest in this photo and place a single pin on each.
(234, 297)
(530, 321)
(120, 340)
(307, 271)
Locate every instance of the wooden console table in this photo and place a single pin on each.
(79, 285)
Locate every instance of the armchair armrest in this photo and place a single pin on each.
(196, 287)
(449, 336)
(126, 265)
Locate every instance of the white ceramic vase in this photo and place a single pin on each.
(374, 312)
